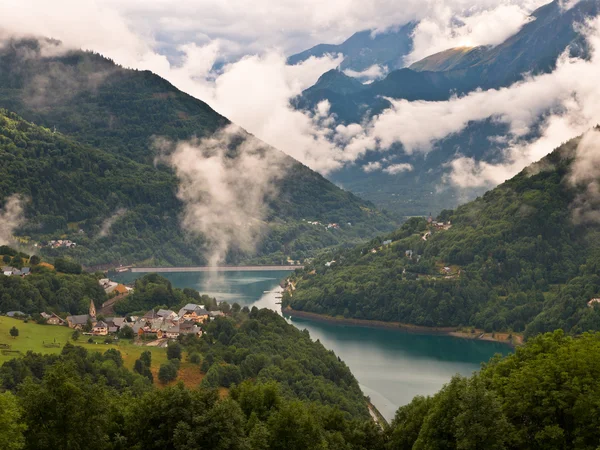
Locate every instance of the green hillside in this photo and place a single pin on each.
(512, 260)
(90, 155)
(545, 396)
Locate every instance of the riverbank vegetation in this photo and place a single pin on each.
(512, 260)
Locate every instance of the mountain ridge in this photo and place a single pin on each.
(89, 101)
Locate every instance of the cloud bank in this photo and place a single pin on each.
(254, 86)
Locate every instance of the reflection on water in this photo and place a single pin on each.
(391, 366)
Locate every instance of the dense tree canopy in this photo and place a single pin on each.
(544, 396)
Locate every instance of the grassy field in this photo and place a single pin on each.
(36, 337)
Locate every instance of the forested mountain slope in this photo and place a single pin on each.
(519, 258)
(95, 157)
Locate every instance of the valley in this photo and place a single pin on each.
(381, 359)
(304, 227)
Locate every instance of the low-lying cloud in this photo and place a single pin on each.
(370, 74)
(225, 184)
(11, 218)
(569, 106)
(107, 224)
(478, 26)
(585, 175)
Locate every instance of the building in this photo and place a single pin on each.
(214, 314)
(388, 242)
(193, 312)
(115, 324)
(16, 314)
(166, 314)
(52, 319)
(169, 331)
(190, 328)
(80, 321)
(100, 328)
(150, 315)
(107, 285)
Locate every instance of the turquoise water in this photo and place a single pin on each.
(391, 366)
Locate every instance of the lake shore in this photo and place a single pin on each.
(503, 338)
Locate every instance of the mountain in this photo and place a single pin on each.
(533, 50)
(90, 156)
(366, 48)
(517, 259)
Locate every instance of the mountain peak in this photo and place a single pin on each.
(338, 82)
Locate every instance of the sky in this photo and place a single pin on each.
(182, 42)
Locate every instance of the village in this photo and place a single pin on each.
(154, 328)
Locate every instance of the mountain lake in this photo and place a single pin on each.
(391, 366)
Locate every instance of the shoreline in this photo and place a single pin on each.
(480, 335)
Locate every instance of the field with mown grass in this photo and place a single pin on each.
(37, 338)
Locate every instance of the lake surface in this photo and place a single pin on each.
(391, 366)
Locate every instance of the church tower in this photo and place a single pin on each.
(92, 310)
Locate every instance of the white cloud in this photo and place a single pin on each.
(484, 25)
(375, 72)
(108, 223)
(575, 86)
(395, 169)
(11, 217)
(566, 101)
(373, 166)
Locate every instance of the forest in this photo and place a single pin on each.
(512, 260)
(544, 396)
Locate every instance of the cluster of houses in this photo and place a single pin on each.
(59, 243)
(439, 225)
(164, 323)
(13, 271)
(329, 226)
